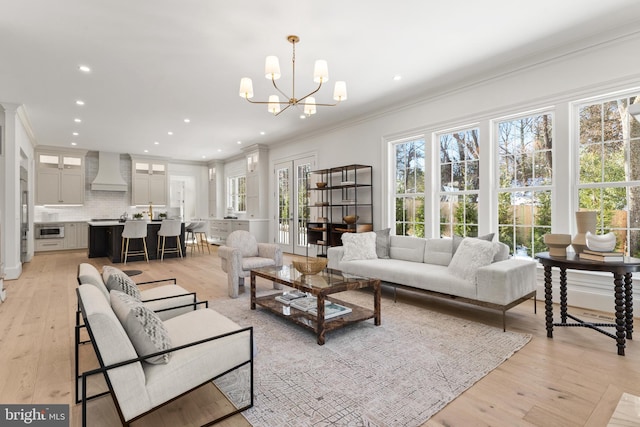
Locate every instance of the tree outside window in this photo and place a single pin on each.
(237, 193)
(609, 164)
(525, 178)
(409, 187)
(459, 183)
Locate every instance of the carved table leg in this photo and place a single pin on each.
(628, 296)
(320, 320)
(253, 291)
(620, 312)
(563, 295)
(548, 301)
(376, 303)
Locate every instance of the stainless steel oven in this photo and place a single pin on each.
(49, 231)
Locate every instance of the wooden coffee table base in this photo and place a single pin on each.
(318, 324)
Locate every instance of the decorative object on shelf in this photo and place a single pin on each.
(557, 243)
(585, 221)
(321, 184)
(272, 72)
(601, 243)
(137, 215)
(162, 215)
(310, 265)
(350, 219)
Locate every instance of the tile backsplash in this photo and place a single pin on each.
(98, 204)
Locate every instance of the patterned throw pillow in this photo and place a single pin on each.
(144, 328)
(123, 283)
(471, 255)
(359, 246)
(382, 243)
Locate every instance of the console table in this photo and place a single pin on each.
(622, 288)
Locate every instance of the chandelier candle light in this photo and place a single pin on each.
(272, 72)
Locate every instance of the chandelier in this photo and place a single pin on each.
(272, 72)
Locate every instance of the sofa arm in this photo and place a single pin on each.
(272, 251)
(506, 281)
(334, 256)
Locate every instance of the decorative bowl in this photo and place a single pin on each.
(601, 243)
(350, 219)
(321, 184)
(557, 243)
(310, 265)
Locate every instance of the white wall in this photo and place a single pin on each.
(555, 83)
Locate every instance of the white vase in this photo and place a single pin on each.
(585, 221)
(601, 243)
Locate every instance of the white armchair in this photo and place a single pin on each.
(241, 253)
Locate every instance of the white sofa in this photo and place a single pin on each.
(204, 345)
(428, 265)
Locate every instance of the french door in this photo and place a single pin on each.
(291, 201)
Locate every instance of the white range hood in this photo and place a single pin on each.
(109, 177)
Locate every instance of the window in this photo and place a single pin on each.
(459, 183)
(525, 178)
(609, 165)
(409, 178)
(237, 193)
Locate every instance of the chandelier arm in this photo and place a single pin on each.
(310, 93)
(278, 89)
(279, 112)
(327, 105)
(269, 102)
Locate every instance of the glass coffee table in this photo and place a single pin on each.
(320, 286)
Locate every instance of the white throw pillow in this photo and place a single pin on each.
(470, 256)
(143, 327)
(359, 246)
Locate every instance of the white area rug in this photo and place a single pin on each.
(396, 374)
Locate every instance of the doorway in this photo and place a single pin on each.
(291, 200)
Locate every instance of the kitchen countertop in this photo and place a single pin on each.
(112, 223)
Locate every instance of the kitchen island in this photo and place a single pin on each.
(105, 240)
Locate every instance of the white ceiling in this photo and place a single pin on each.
(156, 62)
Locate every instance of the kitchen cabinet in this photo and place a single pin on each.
(43, 245)
(60, 178)
(149, 184)
(76, 235)
(220, 228)
(257, 183)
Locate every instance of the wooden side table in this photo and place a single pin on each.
(622, 288)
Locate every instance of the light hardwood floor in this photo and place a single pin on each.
(574, 379)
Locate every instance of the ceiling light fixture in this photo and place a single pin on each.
(84, 68)
(79, 102)
(77, 120)
(272, 72)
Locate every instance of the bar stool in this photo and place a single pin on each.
(169, 228)
(190, 238)
(133, 230)
(200, 234)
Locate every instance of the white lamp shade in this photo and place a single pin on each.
(321, 71)
(340, 91)
(310, 106)
(246, 87)
(272, 68)
(274, 104)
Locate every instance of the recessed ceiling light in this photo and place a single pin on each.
(302, 116)
(79, 102)
(77, 120)
(146, 151)
(397, 77)
(204, 157)
(262, 132)
(156, 143)
(73, 143)
(187, 120)
(219, 150)
(238, 142)
(75, 133)
(169, 133)
(84, 68)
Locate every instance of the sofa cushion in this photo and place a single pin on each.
(119, 281)
(407, 248)
(144, 328)
(458, 239)
(359, 246)
(88, 274)
(108, 270)
(382, 243)
(471, 255)
(438, 251)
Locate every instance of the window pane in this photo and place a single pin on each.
(590, 124)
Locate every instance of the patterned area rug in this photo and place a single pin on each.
(396, 374)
